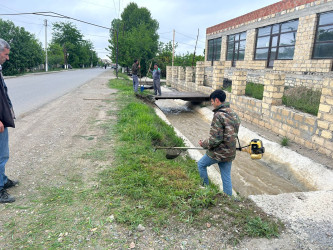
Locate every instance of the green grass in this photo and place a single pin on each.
(254, 90)
(145, 187)
(285, 141)
(228, 89)
(139, 186)
(303, 99)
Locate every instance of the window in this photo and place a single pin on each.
(323, 46)
(276, 41)
(236, 47)
(214, 49)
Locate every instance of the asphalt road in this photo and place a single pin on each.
(31, 91)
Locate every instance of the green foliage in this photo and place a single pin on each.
(164, 57)
(80, 52)
(303, 99)
(258, 228)
(55, 55)
(285, 141)
(254, 90)
(137, 37)
(25, 53)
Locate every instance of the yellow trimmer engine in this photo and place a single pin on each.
(255, 149)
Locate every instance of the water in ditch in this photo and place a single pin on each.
(249, 177)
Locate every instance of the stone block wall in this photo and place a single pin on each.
(314, 132)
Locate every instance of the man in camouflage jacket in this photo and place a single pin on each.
(221, 144)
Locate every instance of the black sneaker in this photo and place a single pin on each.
(10, 184)
(5, 197)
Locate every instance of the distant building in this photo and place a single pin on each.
(291, 36)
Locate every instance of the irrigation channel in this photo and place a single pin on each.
(249, 177)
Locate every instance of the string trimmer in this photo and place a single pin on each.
(255, 149)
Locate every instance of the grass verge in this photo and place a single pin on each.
(146, 188)
(139, 186)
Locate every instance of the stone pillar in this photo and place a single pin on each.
(200, 73)
(189, 78)
(223, 48)
(250, 45)
(239, 82)
(174, 76)
(306, 32)
(273, 92)
(218, 75)
(168, 75)
(273, 89)
(181, 78)
(324, 132)
(181, 73)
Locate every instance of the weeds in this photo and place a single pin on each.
(254, 90)
(285, 141)
(303, 99)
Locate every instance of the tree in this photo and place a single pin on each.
(26, 51)
(137, 37)
(76, 51)
(55, 55)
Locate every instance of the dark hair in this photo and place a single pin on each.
(155, 64)
(219, 94)
(135, 60)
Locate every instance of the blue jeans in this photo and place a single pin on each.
(135, 83)
(4, 156)
(225, 169)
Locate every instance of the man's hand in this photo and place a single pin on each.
(2, 127)
(200, 143)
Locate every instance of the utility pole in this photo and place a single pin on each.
(46, 62)
(173, 47)
(195, 48)
(117, 53)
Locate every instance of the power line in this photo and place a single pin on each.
(165, 32)
(189, 36)
(182, 43)
(54, 14)
(96, 35)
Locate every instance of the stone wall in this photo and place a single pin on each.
(314, 132)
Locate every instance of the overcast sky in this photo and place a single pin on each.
(185, 16)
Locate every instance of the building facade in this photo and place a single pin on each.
(291, 36)
(286, 44)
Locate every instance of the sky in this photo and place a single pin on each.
(183, 16)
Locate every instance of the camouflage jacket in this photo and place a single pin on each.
(221, 144)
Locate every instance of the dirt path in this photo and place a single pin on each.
(46, 144)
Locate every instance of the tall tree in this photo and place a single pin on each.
(137, 37)
(77, 51)
(55, 55)
(26, 51)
